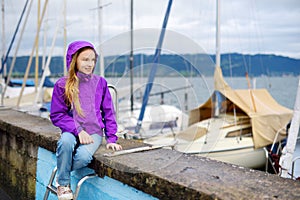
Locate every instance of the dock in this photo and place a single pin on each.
(160, 173)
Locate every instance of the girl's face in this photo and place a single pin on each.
(86, 61)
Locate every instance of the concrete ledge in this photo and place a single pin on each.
(162, 173)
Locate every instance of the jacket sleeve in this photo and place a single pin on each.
(108, 114)
(59, 113)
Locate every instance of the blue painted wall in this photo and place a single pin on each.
(93, 189)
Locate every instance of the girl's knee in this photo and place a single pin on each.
(83, 155)
(67, 140)
(82, 158)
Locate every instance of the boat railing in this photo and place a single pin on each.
(271, 156)
(162, 95)
(273, 159)
(114, 93)
(275, 140)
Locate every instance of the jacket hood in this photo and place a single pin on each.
(74, 47)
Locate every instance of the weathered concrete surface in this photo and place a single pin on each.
(162, 173)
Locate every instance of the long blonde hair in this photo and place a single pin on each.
(72, 84)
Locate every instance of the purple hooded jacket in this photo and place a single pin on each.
(95, 99)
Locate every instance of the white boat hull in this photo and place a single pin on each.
(157, 119)
(215, 142)
(248, 157)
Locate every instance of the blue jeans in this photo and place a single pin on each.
(72, 156)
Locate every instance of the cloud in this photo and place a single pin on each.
(248, 26)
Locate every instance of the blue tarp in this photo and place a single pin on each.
(30, 83)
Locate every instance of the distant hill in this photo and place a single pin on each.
(257, 65)
(190, 64)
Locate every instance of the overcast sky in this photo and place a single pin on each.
(247, 26)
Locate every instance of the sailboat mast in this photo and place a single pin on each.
(46, 69)
(131, 56)
(31, 55)
(217, 102)
(17, 47)
(154, 68)
(36, 74)
(3, 66)
(100, 22)
(218, 57)
(65, 36)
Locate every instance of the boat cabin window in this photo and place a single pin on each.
(246, 132)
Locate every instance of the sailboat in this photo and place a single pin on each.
(233, 126)
(25, 95)
(8, 92)
(144, 120)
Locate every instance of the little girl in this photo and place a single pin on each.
(82, 108)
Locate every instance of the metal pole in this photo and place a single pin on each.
(101, 71)
(16, 52)
(288, 150)
(3, 38)
(31, 55)
(3, 47)
(65, 36)
(46, 71)
(100, 22)
(131, 56)
(218, 56)
(36, 74)
(153, 69)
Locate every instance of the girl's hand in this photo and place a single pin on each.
(85, 138)
(114, 146)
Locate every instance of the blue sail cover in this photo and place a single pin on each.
(153, 69)
(30, 83)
